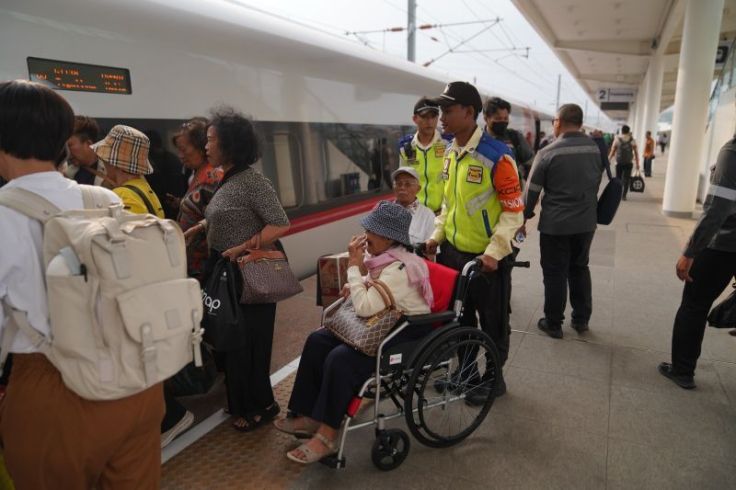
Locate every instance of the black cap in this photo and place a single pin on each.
(461, 93)
(426, 104)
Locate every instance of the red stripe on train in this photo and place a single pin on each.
(320, 218)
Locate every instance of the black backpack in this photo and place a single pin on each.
(625, 152)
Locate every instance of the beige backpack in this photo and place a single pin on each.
(123, 314)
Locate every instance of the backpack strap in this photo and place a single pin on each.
(18, 321)
(28, 204)
(94, 197)
(143, 196)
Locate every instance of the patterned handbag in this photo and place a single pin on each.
(364, 334)
(267, 277)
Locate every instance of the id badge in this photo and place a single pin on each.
(475, 174)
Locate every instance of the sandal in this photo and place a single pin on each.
(310, 455)
(287, 426)
(251, 423)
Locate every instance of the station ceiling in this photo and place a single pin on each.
(608, 44)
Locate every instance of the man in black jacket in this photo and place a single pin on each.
(569, 172)
(707, 266)
(496, 112)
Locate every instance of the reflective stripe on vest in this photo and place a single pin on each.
(473, 208)
(428, 164)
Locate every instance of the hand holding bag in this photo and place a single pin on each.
(364, 334)
(223, 322)
(637, 182)
(267, 277)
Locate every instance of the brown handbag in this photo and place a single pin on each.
(267, 277)
(364, 334)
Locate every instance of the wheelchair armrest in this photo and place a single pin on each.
(431, 318)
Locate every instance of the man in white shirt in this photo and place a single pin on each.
(406, 186)
(51, 437)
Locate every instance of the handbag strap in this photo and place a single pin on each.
(385, 292)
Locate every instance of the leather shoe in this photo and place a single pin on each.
(479, 395)
(682, 380)
(554, 332)
(580, 327)
(454, 384)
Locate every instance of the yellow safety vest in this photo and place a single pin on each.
(428, 164)
(477, 181)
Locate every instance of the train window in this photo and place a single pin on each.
(79, 77)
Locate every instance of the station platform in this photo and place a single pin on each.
(587, 411)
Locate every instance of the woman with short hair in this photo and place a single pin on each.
(330, 371)
(191, 141)
(244, 212)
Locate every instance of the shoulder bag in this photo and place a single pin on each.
(610, 198)
(267, 277)
(364, 334)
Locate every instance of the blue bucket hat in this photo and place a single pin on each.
(389, 220)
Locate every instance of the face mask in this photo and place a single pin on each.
(499, 127)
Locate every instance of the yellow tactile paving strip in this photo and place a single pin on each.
(228, 459)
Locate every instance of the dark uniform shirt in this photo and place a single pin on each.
(569, 171)
(716, 228)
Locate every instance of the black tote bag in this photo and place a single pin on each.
(637, 182)
(223, 321)
(610, 198)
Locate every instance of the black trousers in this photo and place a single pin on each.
(331, 373)
(712, 270)
(248, 369)
(623, 172)
(648, 166)
(564, 260)
(483, 297)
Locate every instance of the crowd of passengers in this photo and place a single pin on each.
(229, 208)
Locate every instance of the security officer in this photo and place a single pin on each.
(481, 212)
(424, 151)
(496, 112)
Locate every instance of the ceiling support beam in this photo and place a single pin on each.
(638, 47)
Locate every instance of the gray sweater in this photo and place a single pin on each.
(569, 171)
(240, 208)
(716, 228)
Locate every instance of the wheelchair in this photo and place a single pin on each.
(427, 380)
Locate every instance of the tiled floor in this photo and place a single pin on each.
(588, 411)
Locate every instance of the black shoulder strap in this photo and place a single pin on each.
(143, 196)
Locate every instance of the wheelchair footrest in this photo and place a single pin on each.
(333, 462)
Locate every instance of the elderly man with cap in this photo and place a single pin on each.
(481, 212)
(330, 371)
(124, 151)
(423, 151)
(406, 186)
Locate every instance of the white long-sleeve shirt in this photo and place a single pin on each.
(21, 252)
(422, 222)
(368, 301)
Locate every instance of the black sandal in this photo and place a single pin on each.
(251, 424)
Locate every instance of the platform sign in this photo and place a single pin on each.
(616, 94)
(80, 77)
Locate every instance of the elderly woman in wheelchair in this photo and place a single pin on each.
(330, 371)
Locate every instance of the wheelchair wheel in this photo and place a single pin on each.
(461, 363)
(390, 449)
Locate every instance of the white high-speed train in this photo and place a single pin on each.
(330, 112)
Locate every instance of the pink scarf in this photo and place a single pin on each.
(416, 269)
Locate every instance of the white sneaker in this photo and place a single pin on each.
(186, 421)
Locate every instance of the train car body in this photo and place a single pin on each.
(330, 112)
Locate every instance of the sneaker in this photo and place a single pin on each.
(181, 426)
(580, 327)
(682, 380)
(554, 332)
